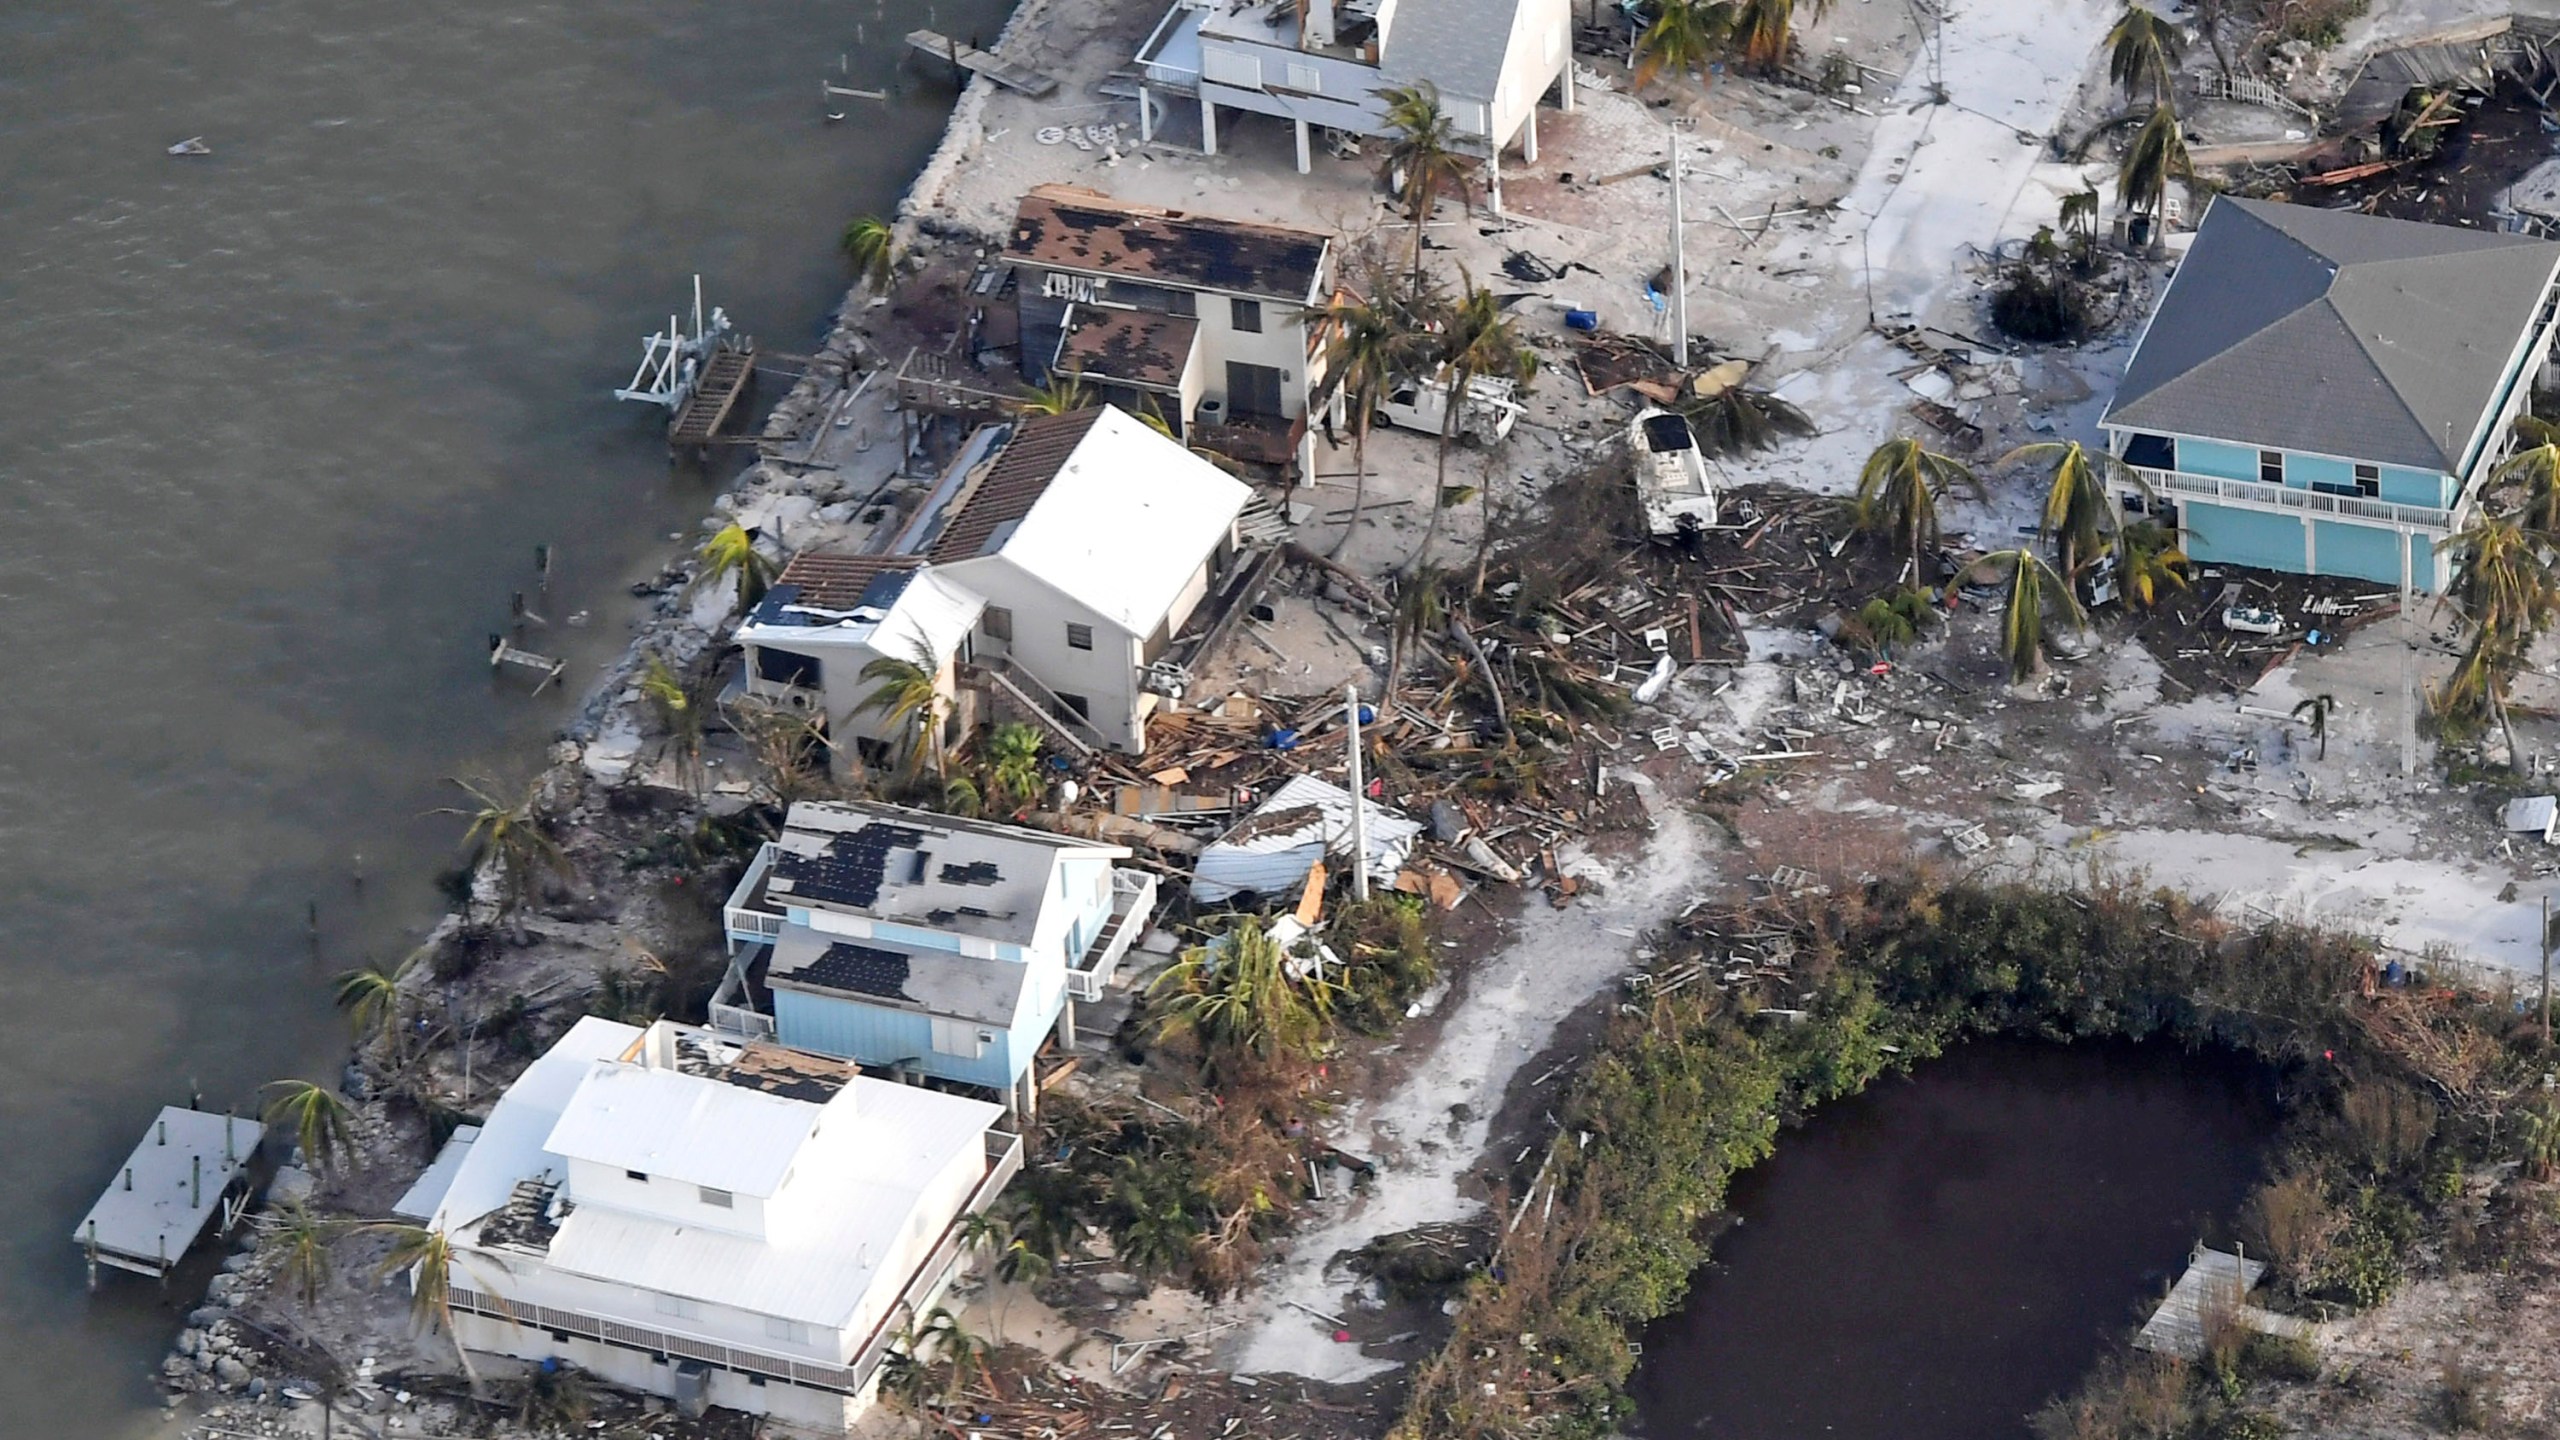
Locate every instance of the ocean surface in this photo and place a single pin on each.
(280, 430)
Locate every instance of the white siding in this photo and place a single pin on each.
(1106, 675)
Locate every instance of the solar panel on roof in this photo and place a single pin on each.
(860, 969)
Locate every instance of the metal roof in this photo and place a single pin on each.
(510, 1145)
(1306, 819)
(2335, 333)
(1119, 522)
(666, 1124)
(1072, 228)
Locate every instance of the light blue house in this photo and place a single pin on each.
(924, 944)
(2323, 392)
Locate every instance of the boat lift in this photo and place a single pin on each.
(697, 376)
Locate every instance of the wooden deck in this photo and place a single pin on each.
(970, 58)
(715, 397)
(2214, 1282)
(169, 1191)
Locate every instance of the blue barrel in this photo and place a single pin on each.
(1582, 319)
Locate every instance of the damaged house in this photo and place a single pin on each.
(1212, 325)
(1069, 568)
(923, 944)
(2324, 392)
(713, 1221)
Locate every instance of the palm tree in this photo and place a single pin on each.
(1685, 36)
(303, 1236)
(427, 1257)
(1013, 764)
(680, 710)
(908, 693)
(2033, 587)
(2080, 221)
(873, 249)
(1065, 394)
(1898, 493)
(2157, 156)
(316, 1118)
(2507, 591)
(732, 551)
(1234, 996)
(512, 838)
(2317, 709)
(2537, 469)
(962, 1351)
(1766, 29)
(2076, 512)
(1421, 159)
(1476, 340)
(1737, 421)
(1895, 619)
(1370, 343)
(370, 994)
(2152, 562)
(2143, 50)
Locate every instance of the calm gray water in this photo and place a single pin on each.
(279, 430)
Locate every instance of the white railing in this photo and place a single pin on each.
(1133, 903)
(747, 923)
(2261, 496)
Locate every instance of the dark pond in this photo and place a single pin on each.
(1933, 1259)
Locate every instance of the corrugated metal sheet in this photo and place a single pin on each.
(1272, 849)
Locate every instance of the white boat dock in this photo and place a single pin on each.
(2219, 1284)
(190, 1168)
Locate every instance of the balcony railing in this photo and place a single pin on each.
(2261, 496)
(1133, 903)
(1004, 1161)
(748, 919)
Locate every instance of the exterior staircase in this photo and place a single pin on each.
(1017, 695)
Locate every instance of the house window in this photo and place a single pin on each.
(2369, 481)
(635, 1175)
(791, 1331)
(1077, 703)
(680, 1307)
(2270, 467)
(996, 623)
(1305, 77)
(716, 1199)
(1245, 315)
(784, 668)
(961, 1038)
(1079, 637)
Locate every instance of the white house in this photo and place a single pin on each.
(830, 616)
(927, 944)
(719, 1222)
(1324, 62)
(1215, 325)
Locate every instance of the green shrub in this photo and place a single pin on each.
(2280, 1358)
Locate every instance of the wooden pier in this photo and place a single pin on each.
(190, 1170)
(1020, 78)
(716, 393)
(2216, 1284)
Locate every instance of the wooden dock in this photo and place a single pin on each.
(190, 1170)
(2214, 1283)
(716, 393)
(1020, 78)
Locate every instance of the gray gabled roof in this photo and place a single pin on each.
(2335, 333)
(1456, 45)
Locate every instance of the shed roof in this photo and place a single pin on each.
(1070, 227)
(1119, 521)
(2336, 333)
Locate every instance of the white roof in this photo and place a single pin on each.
(510, 1146)
(874, 1175)
(1126, 522)
(426, 1194)
(931, 615)
(690, 1128)
(1304, 820)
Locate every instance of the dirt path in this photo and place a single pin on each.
(1428, 1132)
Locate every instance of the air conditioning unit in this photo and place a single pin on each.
(1168, 679)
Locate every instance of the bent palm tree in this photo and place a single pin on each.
(680, 709)
(1235, 998)
(908, 693)
(732, 551)
(873, 249)
(370, 994)
(2157, 156)
(1370, 343)
(1685, 36)
(2076, 513)
(2537, 469)
(1422, 159)
(303, 1236)
(1065, 394)
(1477, 341)
(1766, 29)
(1738, 420)
(1898, 493)
(2034, 587)
(2507, 591)
(2153, 563)
(512, 838)
(2143, 50)
(427, 1257)
(315, 1117)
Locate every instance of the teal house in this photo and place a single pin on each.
(925, 945)
(2323, 392)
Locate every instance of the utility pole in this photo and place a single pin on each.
(2408, 668)
(2546, 972)
(1679, 263)
(1359, 799)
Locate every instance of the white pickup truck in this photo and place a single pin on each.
(1670, 473)
(1485, 415)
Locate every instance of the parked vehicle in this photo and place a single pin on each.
(1486, 413)
(1670, 473)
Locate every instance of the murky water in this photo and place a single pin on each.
(1934, 1259)
(279, 430)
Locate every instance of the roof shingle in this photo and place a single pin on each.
(1078, 229)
